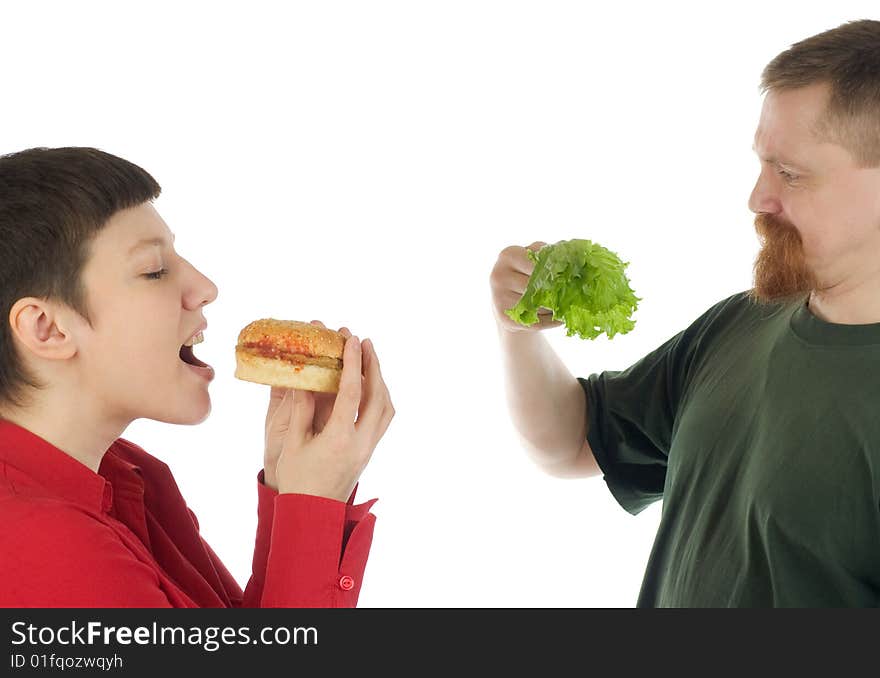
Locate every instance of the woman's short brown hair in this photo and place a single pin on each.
(53, 201)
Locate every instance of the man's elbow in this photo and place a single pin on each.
(581, 464)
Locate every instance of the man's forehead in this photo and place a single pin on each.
(787, 129)
(778, 151)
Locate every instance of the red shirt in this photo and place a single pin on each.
(124, 537)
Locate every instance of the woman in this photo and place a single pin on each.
(96, 305)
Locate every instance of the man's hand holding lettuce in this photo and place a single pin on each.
(583, 284)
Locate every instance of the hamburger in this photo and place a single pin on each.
(290, 354)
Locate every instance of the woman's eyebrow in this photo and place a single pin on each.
(144, 242)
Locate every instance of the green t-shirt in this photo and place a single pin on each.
(759, 427)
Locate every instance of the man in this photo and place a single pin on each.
(757, 425)
(96, 304)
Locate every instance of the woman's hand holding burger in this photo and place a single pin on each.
(319, 443)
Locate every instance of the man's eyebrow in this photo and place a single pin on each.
(779, 161)
(151, 241)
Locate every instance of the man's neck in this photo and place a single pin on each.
(70, 429)
(848, 303)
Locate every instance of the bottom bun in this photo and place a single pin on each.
(274, 372)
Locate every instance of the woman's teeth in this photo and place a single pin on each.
(198, 339)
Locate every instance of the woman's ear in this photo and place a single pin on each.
(41, 329)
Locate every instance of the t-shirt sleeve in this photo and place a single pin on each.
(632, 414)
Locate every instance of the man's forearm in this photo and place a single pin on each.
(546, 402)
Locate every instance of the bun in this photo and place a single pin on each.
(290, 354)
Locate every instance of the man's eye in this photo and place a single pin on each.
(788, 175)
(156, 275)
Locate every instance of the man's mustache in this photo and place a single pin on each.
(770, 227)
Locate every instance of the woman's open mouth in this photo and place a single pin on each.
(187, 356)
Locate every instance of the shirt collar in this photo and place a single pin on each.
(60, 474)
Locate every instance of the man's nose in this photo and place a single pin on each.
(764, 197)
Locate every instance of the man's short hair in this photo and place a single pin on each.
(847, 58)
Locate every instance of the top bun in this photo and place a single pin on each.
(292, 336)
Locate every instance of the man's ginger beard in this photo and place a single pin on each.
(780, 271)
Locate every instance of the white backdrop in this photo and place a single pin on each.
(363, 163)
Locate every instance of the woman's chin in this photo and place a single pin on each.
(197, 416)
(193, 412)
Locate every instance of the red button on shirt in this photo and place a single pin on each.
(346, 583)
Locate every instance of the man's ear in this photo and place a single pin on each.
(42, 329)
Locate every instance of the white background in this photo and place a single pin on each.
(363, 163)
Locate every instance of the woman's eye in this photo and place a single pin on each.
(156, 275)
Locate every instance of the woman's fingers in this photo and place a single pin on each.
(344, 331)
(302, 415)
(276, 395)
(276, 399)
(348, 397)
(376, 409)
(324, 401)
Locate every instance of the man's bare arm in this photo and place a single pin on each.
(547, 404)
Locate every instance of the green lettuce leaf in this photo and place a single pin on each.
(584, 285)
